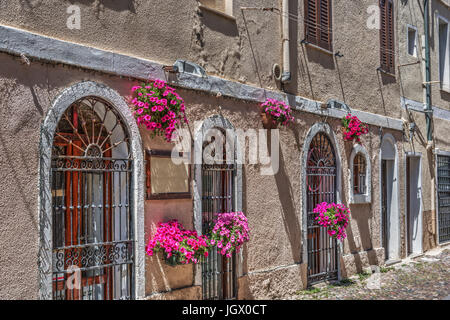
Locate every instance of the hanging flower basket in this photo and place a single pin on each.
(353, 128)
(274, 112)
(334, 217)
(229, 232)
(159, 108)
(177, 245)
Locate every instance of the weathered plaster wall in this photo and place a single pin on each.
(411, 77)
(272, 203)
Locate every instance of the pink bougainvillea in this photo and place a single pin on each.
(158, 107)
(353, 128)
(179, 246)
(280, 111)
(229, 232)
(334, 217)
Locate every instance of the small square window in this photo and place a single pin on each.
(412, 41)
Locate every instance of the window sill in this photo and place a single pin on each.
(445, 89)
(218, 12)
(386, 72)
(315, 46)
(360, 199)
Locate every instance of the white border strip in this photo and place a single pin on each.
(419, 106)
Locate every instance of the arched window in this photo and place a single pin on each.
(360, 176)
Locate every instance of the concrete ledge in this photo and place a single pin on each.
(19, 42)
(354, 263)
(275, 284)
(188, 293)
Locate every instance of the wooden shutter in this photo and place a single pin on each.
(318, 23)
(387, 38)
(311, 21)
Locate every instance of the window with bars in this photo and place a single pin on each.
(318, 28)
(387, 38)
(359, 174)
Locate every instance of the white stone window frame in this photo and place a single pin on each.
(410, 28)
(226, 11)
(445, 84)
(64, 100)
(367, 196)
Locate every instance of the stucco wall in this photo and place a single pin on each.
(411, 13)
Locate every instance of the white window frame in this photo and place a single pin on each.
(416, 34)
(444, 85)
(367, 196)
(226, 11)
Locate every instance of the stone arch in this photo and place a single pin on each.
(313, 131)
(216, 121)
(48, 128)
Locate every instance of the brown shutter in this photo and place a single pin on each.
(325, 38)
(391, 42)
(387, 40)
(318, 23)
(311, 21)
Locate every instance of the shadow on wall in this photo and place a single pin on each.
(290, 219)
(218, 23)
(360, 241)
(122, 5)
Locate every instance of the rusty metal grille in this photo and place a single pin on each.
(93, 246)
(321, 187)
(218, 272)
(443, 173)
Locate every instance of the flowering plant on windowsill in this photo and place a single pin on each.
(229, 232)
(353, 128)
(159, 108)
(178, 246)
(334, 217)
(276, 112)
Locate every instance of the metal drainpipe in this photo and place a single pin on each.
(428, 107)
(286, 75)
(428, 115)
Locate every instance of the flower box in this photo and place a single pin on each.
(159, 108)
(334, 217)
(229, 232)
(177, 245)
(274, 112)
(353, 128)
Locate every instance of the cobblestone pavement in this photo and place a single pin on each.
(421, 278)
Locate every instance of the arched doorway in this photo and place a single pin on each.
(218, 188)
(91, 195)
(321, 185)
(390, 218)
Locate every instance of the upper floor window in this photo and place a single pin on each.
(387, 40)
(444, 54)
(222, 6)
(318, 28)
(412, 41)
